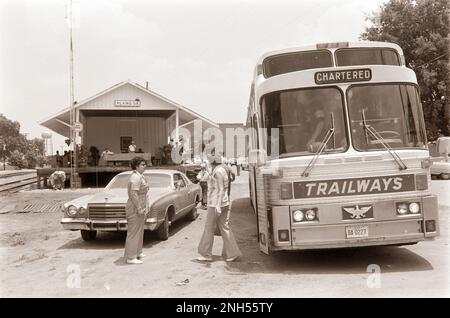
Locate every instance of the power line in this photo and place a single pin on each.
(437, 58)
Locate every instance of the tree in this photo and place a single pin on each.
(19, 151)
(421, 28)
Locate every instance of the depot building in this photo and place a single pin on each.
(115, 117)
(127, 112)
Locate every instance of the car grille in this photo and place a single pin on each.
(106, 211)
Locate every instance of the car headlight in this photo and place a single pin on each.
(402, 208)
(72, 210)
(298, 216)
(414, 207)
(310, 215)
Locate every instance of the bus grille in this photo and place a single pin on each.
(106, 212)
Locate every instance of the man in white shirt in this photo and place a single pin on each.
(132, 147)
(217, 215)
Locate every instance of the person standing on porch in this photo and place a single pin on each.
(132, 147)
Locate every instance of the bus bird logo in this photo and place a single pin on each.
(357, 212)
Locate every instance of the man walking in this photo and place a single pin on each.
(217, 214)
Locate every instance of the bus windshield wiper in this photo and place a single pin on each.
(370, 131)
(330, 133)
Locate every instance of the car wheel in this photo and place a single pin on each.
(445, 176)
(162, 232)
(88, 235)
(191, 216)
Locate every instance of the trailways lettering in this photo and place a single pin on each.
(357, 186)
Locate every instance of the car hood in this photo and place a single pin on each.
(116, 196)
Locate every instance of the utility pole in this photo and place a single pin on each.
(73, 155)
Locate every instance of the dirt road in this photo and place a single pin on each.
(40, 259)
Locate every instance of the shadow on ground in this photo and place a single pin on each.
(335, 261)
(116, 240)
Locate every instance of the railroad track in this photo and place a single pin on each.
(17, 182)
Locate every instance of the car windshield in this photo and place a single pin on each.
(392, 110)
(156, 180)
(303, 117)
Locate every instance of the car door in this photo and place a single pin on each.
(191, 193)
(181, 193)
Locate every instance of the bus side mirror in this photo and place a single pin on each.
(257, 157)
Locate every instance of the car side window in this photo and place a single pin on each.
(186, 180)
(177, 177)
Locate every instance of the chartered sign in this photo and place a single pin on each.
(328, 77)
(127, 103)
(354, 186)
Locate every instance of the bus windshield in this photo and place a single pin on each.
(296, 61)
(366, 56)
(393, 110)
(303, 117)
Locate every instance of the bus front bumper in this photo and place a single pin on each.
(384, 228)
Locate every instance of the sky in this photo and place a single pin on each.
(200, 54)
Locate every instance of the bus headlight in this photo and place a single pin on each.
(72, 211)
(298, 216)
(402, 208)
(310, 215)
(414, 207)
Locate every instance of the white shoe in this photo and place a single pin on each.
(204, 259)
(134, 261)
(142, 255)
(232, 259)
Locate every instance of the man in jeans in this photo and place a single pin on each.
(217, 214)
(203, 177)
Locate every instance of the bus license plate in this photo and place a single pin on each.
(357, 231)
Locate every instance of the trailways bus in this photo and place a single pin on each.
(338, 154)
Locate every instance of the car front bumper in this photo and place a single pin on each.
(103, 225)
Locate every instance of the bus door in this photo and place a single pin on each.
(261, 212)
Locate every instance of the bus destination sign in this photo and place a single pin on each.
(329, 77)
(354, 186)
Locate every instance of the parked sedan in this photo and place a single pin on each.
(171, 197)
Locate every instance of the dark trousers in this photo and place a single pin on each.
(204, 186)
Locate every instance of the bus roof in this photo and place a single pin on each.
(307, 78)
(332, 46)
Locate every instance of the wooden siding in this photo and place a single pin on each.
(149, 133)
